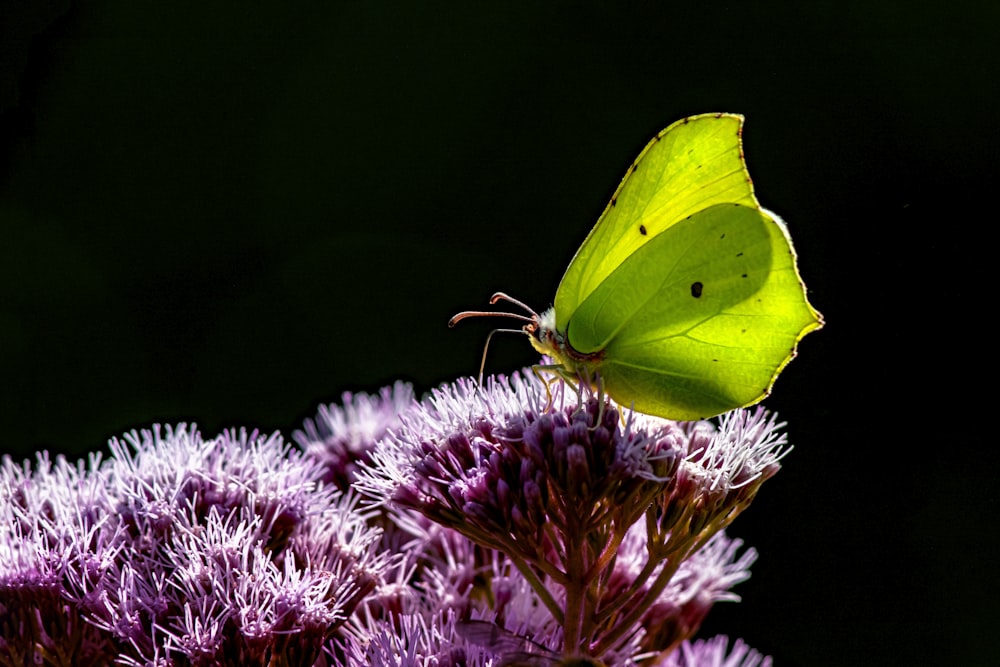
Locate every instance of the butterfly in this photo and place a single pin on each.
(685, 300)
(515, 650)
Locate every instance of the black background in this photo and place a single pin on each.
(230, 212)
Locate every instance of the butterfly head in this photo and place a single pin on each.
(544, 336)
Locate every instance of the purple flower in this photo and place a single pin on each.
(712, 653)
(342, 435)
(559, 487)
(52, 520)
(179, 551)
(513, 524)
(700, 581)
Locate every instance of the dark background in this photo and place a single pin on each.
(229, 213)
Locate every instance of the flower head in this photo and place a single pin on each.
(714, 653)
(557, 484)
(180, 550)
(340, 436)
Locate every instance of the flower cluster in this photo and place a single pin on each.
(515, 523)
(597, 535)
(341, 436)
(179, 551)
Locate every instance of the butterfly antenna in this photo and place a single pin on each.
(499, 296)
(486, 347)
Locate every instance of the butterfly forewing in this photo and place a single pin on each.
(692, 165)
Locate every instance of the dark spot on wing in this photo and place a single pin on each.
(642, 229)
(696, 288)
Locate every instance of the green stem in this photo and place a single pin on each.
(539, 587)
(575, 587)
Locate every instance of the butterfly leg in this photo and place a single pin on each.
(600, 402)
(556, 372)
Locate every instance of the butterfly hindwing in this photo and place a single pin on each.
(701, 319)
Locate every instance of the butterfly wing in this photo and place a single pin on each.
(514, 650)
(701, 318)
(693, 164)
